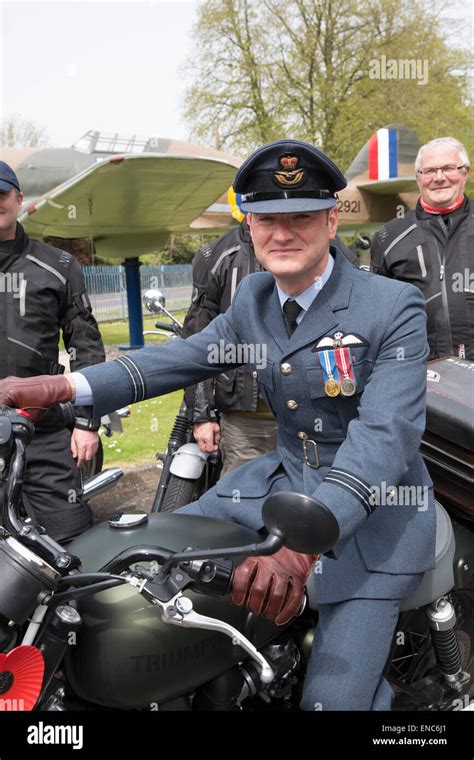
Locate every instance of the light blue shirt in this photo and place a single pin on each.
(84, 395)
(306, 298)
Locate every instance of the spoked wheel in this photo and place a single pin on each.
(414, 672)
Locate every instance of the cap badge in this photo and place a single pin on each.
(289, 173)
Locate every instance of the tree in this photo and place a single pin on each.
(305, 68)
(228, 101)
(180, 249)
(16, 132)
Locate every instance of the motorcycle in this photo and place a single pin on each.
(110, 622)
(448, 450)
(187, 471)
(45, 601)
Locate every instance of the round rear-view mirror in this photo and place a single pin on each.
(154, 300)
(304, 524)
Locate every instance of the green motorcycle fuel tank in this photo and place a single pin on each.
(125, 656)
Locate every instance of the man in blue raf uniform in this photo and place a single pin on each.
(340, 355)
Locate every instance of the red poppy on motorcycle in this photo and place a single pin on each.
(21, 678)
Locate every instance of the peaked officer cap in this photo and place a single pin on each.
(288, 176)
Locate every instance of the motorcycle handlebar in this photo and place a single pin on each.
(10, 519)
(205, 577)
(166, 326)
(202, 575)
(16, 432)
(134, 554)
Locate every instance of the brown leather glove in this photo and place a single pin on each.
(273, 586)
(34, 394)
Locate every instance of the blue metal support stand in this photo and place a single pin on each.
(134, 299)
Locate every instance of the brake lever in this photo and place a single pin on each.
(179, 611)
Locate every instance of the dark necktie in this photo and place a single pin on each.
(291, 309)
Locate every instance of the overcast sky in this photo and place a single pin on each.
(110, 65)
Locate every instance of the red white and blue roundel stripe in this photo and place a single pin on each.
(383, 154)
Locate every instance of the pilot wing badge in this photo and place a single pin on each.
(340, 340)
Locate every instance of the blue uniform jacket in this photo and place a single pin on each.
(371, 474)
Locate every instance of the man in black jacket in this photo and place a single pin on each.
(228, 411)
(433, 247)
(42, 291)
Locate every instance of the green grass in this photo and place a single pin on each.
(116, 333)
(145, 432)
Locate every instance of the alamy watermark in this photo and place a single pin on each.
(399, 68)
(12, 705)
(44, 733)
(237, 353)
(463, 282)
(399, 496)
(15, 283)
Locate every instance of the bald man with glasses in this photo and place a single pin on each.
(432, 247)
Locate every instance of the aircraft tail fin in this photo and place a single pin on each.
(388, 155)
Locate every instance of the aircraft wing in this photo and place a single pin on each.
(393, 186)
(130, 204)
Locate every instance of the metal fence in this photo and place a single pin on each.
(108, 294)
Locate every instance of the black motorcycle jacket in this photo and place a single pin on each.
(218, 267)
(43, 291)
(435, 252)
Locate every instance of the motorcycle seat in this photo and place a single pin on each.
(435, 583)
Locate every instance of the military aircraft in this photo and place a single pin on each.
(127, 196)
(381, 181)
(123, 198)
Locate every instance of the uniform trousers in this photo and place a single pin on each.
(350, 649)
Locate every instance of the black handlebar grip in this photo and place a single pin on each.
(212, 578)
(165, 326)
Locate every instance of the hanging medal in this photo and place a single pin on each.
(328, 363)
(346, 371)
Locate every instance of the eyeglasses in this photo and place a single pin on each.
(449, 170)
